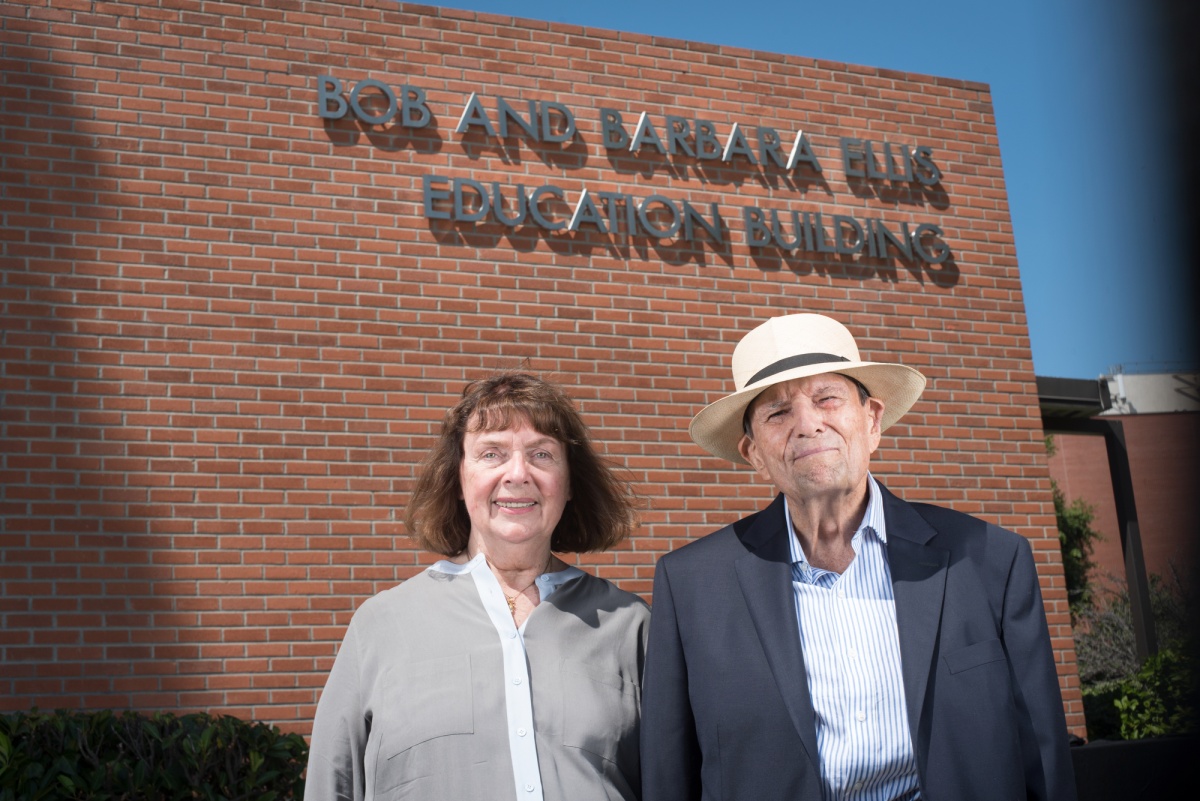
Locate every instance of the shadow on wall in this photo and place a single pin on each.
(99, 609)
(70, 610)
(185, 512)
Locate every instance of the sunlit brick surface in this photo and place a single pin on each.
(230, 330)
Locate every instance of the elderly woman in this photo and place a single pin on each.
(499, 672)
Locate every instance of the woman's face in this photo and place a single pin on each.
(515, 484)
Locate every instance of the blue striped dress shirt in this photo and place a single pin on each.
(852, 656)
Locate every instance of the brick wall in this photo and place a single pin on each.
(1162, 452)
(230, 327)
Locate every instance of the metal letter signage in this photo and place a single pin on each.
(658, 217)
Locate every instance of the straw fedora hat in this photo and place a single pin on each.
(797, 346)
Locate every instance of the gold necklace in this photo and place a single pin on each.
(512, 599)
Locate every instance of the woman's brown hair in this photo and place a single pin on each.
(601, 510)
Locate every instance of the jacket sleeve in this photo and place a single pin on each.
(670, 749)
(1049, 775)
(340, 728)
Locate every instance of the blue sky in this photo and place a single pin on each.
(1077, 90)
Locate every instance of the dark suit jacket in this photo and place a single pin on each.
(726, 712)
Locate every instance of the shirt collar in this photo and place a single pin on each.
(457, 569)
(547, 582)
(872, 521)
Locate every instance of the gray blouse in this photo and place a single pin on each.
(414, 707)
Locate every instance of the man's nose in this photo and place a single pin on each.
(807, 420)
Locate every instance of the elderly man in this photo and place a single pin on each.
(841, 643)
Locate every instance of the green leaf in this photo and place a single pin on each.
(206, 737)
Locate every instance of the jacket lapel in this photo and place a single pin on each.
(765, 575)
(919, 585)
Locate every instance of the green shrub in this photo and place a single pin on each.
(1123, 699)
(1158, 700)
(1104, 640)
(129, 757)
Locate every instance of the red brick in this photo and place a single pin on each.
(231, 333)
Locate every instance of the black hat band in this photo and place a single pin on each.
(791, 362)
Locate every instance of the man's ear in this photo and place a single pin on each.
(745, 446)
(875, 408)
(748, 448)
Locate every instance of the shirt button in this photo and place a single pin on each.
(841, 593)
(860, 715)
(512, 634)
(521, 732)
(853, 654)
(529, 788)
(516, 679)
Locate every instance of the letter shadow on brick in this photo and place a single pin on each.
(644, 248)
(570, 155)
(895, 193)
(944, 276)
(860, 268)
(468, 234)
(806, 182)
(525, 238)
(646, 164)
(348, 132)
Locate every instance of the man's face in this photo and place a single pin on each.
(812, 437)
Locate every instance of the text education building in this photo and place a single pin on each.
(251, 252)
